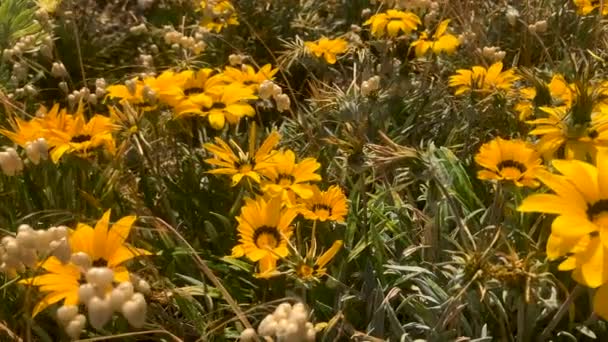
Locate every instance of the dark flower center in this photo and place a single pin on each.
(80, 138)
(100, 263)
(266, 237)
(593, 134)
(321, 207)
(218, 105)
(512, 163)
(285, 179)
(193, 90)
(597, 208)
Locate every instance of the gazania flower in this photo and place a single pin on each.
(440, 42)
(325, 205)
(306, 271)
(81, 137)
(197, 89)
(229, 104)
(24, 131)
(133, 94)
(219, 15)
(509, 160)
(579, 232)
(105, 248)
(247, 75)
(60, 282)
(482, 80)
(558, 132)
(327, 48)
(167, 87)
(241, 164)
(557, 93)
(286, 177)
(392, 22)
(585, 7)
(264, 231)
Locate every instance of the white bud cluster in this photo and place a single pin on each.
(24, 249)
(236, 59)
(370, 86)
(493, 53)
(538, 27)
(29, 44)
(411, 4)
(178, 40)
(37, 150)
(10, 162)
(84, 94)
(512, 14)
(102, 299)
(100, 87)
(147, 61)
(288, 323)
(58, 70)
(269, 89)
(72, 321)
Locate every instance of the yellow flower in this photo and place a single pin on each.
(392, 22)
(79, 136)
(242, 164)
(133, 94)
(600, 301)
(306, 271)
(168, 86)
(440, 42)
(60, 282)
(229, 104)
(219, 16)
(558, 133)
(482, 80)
(579, 232)
(197, 87)
(585, 7)
(325, 205)
(105, 247)
(264, 228)
(247, 75)
(285, 177)
(328, 48)
(558, 93)
(39, 127)
(509, 160)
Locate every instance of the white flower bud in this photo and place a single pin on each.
(247, 335)
(60, 232)
(283, 102)
(268, 327)
(235, 59)
(10, 162)
(100, 276)
(118, 298)
(74, 328)
(37, 150)
(143, 287)
(58, 70)
(266, 90)
(29, 257)
(131, 86)
(92, 99)
(61, 250)
(63, 86)
(12, 248)
(100, 312)
(26, 236)
(86, 292)
(311, 335)
(127, 288)
(66, 313)
(82, 260)
(43, 239)
(512, 14)
(134, 310)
